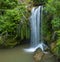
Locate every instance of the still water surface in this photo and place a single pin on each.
(16, 54)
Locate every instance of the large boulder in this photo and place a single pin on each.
(40, 56)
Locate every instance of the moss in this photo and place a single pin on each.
(58, 33)
(1, 41)
(10, 43)
(56, 48)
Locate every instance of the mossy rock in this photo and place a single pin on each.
(58, 33)
(1, 41)
(47, 39)
(57, 48)
(10, 43)
(49, 58)
(40, 56)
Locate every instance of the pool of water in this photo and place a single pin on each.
(16, 54)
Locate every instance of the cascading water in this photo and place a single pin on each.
(35, 21)
(36, 29)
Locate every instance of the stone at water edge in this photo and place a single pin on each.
(39, 56)
(49, 58)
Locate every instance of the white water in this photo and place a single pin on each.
(36, 30)
(33, 49)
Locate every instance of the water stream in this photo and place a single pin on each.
(35, 26)
(36, 29)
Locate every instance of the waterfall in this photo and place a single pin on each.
(35, 23)
(36, 29)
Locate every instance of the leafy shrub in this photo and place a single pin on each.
(14, 22)
(56, 23)
(57, 48)
(52, 15)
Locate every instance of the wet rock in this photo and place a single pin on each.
(53, 45)
(49, 58)
(39, 56)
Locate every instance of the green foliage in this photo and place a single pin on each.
(10, 43)
(37, 2)
(58, 33)
(8, 4)
(53, 7)
(52, 15)
(56, 23)
(52, 22)
(14, 22)
(57, 48)
(1, 41)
